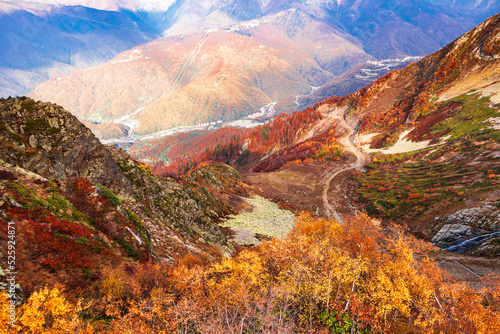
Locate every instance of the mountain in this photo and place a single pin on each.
(101, 244)
(42, 43)
(427, 137)
(57, 178)
(394, 29)
(445, 110)
(356, 31)
(205, 77)
(143, 247)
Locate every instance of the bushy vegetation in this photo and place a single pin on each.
(112, 198)
(399, 185)
(64, 237)
(323, 276)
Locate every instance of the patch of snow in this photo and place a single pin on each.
(403, 145)
(367, 138)
(128, 57)
(139, 240)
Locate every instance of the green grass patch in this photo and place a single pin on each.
(113, 199)
(35, 124)
(29, 105)
(130, 250)
(472, 119)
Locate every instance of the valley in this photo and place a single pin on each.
(327, 189)
(422, 158)
(187, 57)
(253, 167)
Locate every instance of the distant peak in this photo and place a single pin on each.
(112, 5)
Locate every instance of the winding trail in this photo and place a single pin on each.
(346, 141)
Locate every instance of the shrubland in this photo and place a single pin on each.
(323, 277)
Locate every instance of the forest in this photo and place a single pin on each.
(239, 147)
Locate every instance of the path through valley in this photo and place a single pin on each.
(337, 115)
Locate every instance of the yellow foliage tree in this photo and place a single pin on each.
(48, 311)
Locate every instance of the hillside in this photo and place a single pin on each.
(295, 47)
(40, 42)
(432, 131)
(194, 244)
(57, 178)
(204, 77)
(323, 277)
(142, 251)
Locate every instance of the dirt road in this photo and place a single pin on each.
(337, 115)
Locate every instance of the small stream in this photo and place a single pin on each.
(467, 245)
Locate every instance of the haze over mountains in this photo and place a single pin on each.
(301, 45)
(38, 44)
(215, 75)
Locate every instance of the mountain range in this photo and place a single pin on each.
(205, 77)
(71, 37)
(376, 211)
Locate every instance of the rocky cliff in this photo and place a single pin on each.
(49, 141)
(176, 217)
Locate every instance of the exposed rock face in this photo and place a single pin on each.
(46, 139)
(474, 230)
(176, 206)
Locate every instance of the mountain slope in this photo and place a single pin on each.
(313, 38)
(43, 42)
(431, 127)
(172, 218)
(208, 76)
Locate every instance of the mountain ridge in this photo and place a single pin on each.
(54, 146)
(417, 151)
(201, 77)
(400, 24)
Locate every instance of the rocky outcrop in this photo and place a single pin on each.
(177, 206)
(47, 140)
(474, 231)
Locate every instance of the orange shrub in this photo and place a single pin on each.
(414, 196)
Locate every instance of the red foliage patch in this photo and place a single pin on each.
(6, 175)
(424, 123)
(55, 242)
